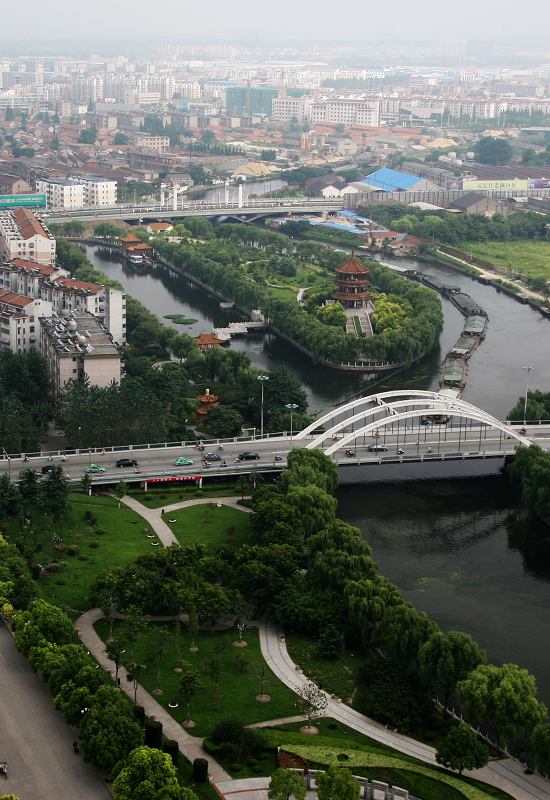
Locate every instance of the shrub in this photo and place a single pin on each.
(238, 742)
(200, 770)
(392, 696)
(153, 733)
(199, 493)
(171, 747)
(83, 557)
(73, 550)
(139, 714)
(331, 642)
(100, 532)
(94, 544)
(236, 767)
(89, 517)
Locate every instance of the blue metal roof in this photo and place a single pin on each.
(391, 180)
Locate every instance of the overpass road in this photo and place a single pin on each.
(418, 443)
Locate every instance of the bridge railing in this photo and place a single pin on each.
(124, 448)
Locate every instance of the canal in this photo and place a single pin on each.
(457, 549)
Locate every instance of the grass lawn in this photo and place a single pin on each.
(238, 682)
(339, 677)
(209, 525)
(165, 496)
(343, 746)
(531, 258)
(83, 550)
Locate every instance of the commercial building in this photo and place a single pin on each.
(23, 235)
(79, 347)
(19, 321)
(247, 100)
(148, 141)
(287, 108)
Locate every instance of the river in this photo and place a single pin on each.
(456, 549)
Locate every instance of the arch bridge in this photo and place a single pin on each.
(409, 424)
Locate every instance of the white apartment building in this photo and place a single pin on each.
(286, 109)
(23, 235)
(66, 194)
(78, 192)
(346, 111)
(79, 347)
(63, 294)
(19, 321)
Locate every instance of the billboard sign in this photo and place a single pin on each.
(22, 201)
(515, 185)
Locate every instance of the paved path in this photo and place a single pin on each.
(190, 746)
(154, 515)
(507, 774)
(35, 740)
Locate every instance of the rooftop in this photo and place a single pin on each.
(391, 179)
(12, 299)
(32, 266)
(352, 267)
(80, 333)
(78, 286)
(22, 224)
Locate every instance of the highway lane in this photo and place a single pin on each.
(159, 462)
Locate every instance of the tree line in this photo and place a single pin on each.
(453, 229)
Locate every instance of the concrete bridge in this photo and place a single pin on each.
(399, 435)
(249, 209)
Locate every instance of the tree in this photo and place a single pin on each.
(494, 150)
(28, 487)
(54, 492)
(149, 773)
(461, 749)
(540, 747)
(86, 483)
(223, 422)
(337, 783)
(156, 650)
(183, 346)
(134, 672)
(131, 628)
(444, 660)
(313, 701)
(108, 731)
(120, 138)
(121, 490)
(88, 135)
(10, 499)
(114, 650)
(505, 697)
(285, 785)
(190, 684)
(106, 230)
(314, 508)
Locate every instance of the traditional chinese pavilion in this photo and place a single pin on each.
(352, 284)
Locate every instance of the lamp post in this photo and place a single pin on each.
(80, 437)
(528, 370)
(9, 461)
(292, 408)
(263, 379)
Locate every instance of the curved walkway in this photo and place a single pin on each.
(506, 774)
(190, 746)
(154, 515)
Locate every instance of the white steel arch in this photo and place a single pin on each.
(380, 399)
(474, 416)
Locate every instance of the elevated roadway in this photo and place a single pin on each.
(250, 208)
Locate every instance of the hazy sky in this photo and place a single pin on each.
(264, 22)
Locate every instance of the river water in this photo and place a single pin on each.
(457, 549)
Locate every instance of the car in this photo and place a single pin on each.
(248, 456)
(94, 468)
(183, 461)
(212, 457)
(126, 462)
(47, 468)
(377, 448)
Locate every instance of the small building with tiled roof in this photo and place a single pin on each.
(206, 341)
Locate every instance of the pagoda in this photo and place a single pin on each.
(352, 284)
(206, 402)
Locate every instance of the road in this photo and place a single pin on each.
(157, 463)
(507, 774)
(36, 742)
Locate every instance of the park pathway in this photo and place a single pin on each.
(506, 774)
(190, 746)
(36, 742)
(154, 515)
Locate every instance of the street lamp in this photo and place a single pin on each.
(292, 408)
(528, 370)
(9, 461)
(80, 437)
(263, 379)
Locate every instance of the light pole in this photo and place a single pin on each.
(9, 461)
(528, 370)
(292, 408)
(80, 437)
(263, 379)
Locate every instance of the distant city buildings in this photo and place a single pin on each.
(76, 193)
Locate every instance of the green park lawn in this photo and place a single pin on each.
(209, 525)
(530, 258)
(339, 676)
(165, 496)
(239, 681)
(83, 550)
